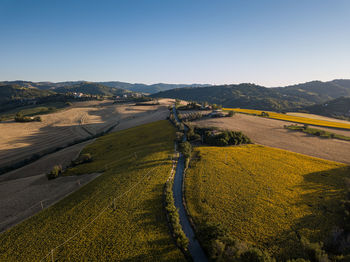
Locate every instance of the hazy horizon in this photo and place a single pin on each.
(269, 43)
(169, 83)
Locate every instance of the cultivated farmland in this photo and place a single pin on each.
(23, 189)
(271, 132)
(296, 118)
(135, 165)
(22, 140)
(266, 197)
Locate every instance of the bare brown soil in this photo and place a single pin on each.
(22, 190)
(271, 132)
(21, 140)
(22, 198)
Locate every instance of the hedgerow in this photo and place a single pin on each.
(173, 214)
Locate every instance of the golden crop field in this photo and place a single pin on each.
(266, 196)
(291, 118)
(136, 165)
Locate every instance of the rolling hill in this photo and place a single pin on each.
(150, 89)
(242, 95)
(99, 88)
(317, 91)
(294, 97)
(91, 88)
(37, 89)
(339, 108)
(259, 97)
(16, 92)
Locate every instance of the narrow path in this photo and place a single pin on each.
(194, 247)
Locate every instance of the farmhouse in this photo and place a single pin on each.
(216, 113)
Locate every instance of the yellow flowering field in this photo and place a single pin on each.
(265, 196)
(135, 165)
(291, 118)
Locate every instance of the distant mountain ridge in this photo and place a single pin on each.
(258, 97)
(137, 87)
(242, 95)
(294, 97)
(150, 89)
(317, 91)
(17, 92)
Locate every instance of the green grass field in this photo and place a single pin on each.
(135, 231)
(33, 110)
(266, 196)
(290, 118)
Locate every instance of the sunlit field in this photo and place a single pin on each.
(89, 225)
(264, 196)
(291, 118)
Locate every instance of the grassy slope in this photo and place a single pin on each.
(296, 119)
(264, 195)
(137, 229)
(33, 110)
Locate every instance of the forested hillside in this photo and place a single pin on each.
(317, 91)
(150, 89)
(16, 92)
(258, 97)
(243, 95)
(339, 108)
(91, 88)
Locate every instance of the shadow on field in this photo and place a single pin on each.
(321, 200)
(146, 257)
(49, 138)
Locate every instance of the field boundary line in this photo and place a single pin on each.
(95, 218)
(18, 215)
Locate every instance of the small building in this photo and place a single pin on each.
(217, 113)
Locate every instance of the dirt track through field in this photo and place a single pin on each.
(271, 132)
(21, 190)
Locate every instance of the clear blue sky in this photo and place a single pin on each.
(219, 42)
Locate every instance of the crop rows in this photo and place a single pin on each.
(134, 228)
(296, 119)
(266, 197)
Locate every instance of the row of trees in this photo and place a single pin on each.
(174, 219)
(215, 137)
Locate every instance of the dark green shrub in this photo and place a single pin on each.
(231, 113)
(179, 137)
(255, 255)
(186, 149)
(82, 159)
(224, 138)
(314, 251)
(192, 135)
(174, 219)
(55, 172)
(264, 114)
